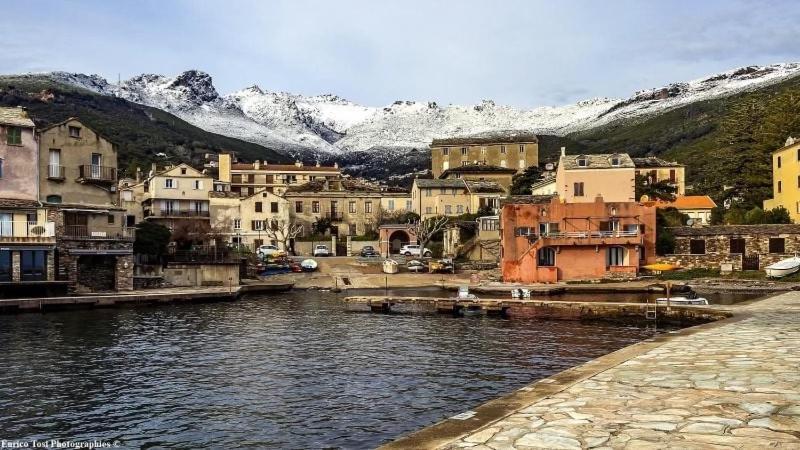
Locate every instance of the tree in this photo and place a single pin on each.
(665, 219)
(322, 225)
(283, 231)
(754, 216)
(521, 183)
(151, 239)
(399, 216)
(777, 215)
(718, 215)
(426, 229)
(654, 190)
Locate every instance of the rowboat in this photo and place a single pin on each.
(682, 300)
(390, 266)
(783, 267)
(661, 267)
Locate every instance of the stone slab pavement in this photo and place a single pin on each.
(731, 385)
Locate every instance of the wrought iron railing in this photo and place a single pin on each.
(98, 173)
(55, 172)
(99, 232)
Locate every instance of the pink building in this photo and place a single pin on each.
(582, 178)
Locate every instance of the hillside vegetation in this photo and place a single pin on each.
(140, 131)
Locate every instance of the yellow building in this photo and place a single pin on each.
(176, 194)
(508, 149)
(657, 169)
(245, 220)
(454, 197)
(482, 172)
(248, 178)
(786, 179)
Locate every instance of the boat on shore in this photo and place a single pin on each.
(390, 266)
(308, 265)
(783, 267)
(682, 301)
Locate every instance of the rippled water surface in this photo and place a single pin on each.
(289, 371)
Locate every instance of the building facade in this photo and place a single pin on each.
(786, 179)
(482, 172)
(245, 221)
(697, 207)
(249, 178)
(547, 240)
(177, 196)
(507, 149)
(353, 208)
(583, 178)
(657, 169)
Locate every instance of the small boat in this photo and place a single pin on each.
(783, 267)
(390, 266)
(521, 293)
(308, 265)
(463, 294)
(682, 300)
(415, 266)
(661, 267)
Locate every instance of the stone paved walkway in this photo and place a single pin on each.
(731, 386)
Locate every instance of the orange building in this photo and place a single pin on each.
(546, 240)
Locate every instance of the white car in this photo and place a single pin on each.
(321, 250)
(269, 251)
(415, 250)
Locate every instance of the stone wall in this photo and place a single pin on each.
(718, 250)
(202, 275)
(102, 265)
(708, 261)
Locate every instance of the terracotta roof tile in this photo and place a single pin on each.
(689, 202)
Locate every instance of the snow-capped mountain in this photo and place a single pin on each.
(330, 124)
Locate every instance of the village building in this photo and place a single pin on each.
(482, 172)
(583, 178)
(545, 186)
(246, 221)
(516, 150)
(249, 178)
(697, 207)
(454, 197)
(786, 179)
(77, 179)
(547, 240)
(27, 237)
(396, 202)
(734, 247)
(352, 207)
(657, 169)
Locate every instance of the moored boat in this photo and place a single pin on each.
(308, 265)
(682, 300)
(783, 267)
(390, 266)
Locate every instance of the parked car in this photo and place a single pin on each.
(270, 251)
(368, 251)
(415, 250)
(321, 250)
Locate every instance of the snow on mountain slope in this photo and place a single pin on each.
(330, 124)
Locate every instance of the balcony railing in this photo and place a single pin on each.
(98, 173)
(176, 213)
(202, 254)
(99, 232)
(22, 230)
(591, 234)
(334, 215)
(55, 172)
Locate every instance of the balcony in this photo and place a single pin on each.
(55, 172)
(334, 215)
(97, 174)
(23, 232)
(177, 214)
(590, 237)
(93, 232)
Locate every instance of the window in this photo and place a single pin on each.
(483, 150)
(446, 151)
(503, 163)
(582, 161)
(53, 199)
(351, 207)
(578, 189)
(521, 163)
(315, 207)
(464, 163)
(183, 170)
(463, 151)
(798, 154)
(615, 161)
(777, 245)
(428, 192)
(198, 184)
(616, 256)
(460, 209)
(503, 149)
(273, 207)
(298, 207)
(546, 257)
(779, 162)
(237, 224)
(368, 207)
(257, 225)
(779, 187)
(74, 132)
(522, 148)
(408, 205)
(33, 265)
(448, 209)
(672, 176)
(111, 219)
(14, 136)
(1, 167)
(130, 220)
(523, 231)
(737, 246)
(697, 246)
(259, 207)
(169, 183)
(428, 210)
(391, 205)
(5, 265)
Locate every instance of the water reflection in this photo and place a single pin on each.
(292, 371)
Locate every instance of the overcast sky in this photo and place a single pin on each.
(521, 53)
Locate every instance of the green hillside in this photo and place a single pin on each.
(140, 131)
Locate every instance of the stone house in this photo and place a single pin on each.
(744, 247)
(249, 178)
(245, 220)
(657, 169)
(77, 184)
(516, 150)
(482, 172)
(27, 237)
(546, 240)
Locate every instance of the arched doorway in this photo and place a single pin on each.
(397, 239)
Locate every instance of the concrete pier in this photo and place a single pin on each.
(724, 385)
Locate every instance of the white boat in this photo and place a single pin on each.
(463, 294)
(682, 300)
(783, 267)
(390, 266)
(308, 265)
(521, 293)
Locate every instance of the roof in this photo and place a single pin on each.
(17, 117)
(715, 230)
(652, 161)
(489, 137)
(346, 185)
(224, 194)
(478, 168)
(602, 161)
(528, 200)
(485, 187)
(18, 203)
(544, 182)
(284, 167)
(440, 183)
(70, 119)
(689, 202)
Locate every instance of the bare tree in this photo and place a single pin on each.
(425, 229)
(282, 231)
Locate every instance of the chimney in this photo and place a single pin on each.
(23, 111)
(298, 163)
(154, 168)
(138, 174)
(563, 151)
(317, 163)
(336, 165)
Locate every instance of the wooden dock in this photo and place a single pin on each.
(545, 309)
